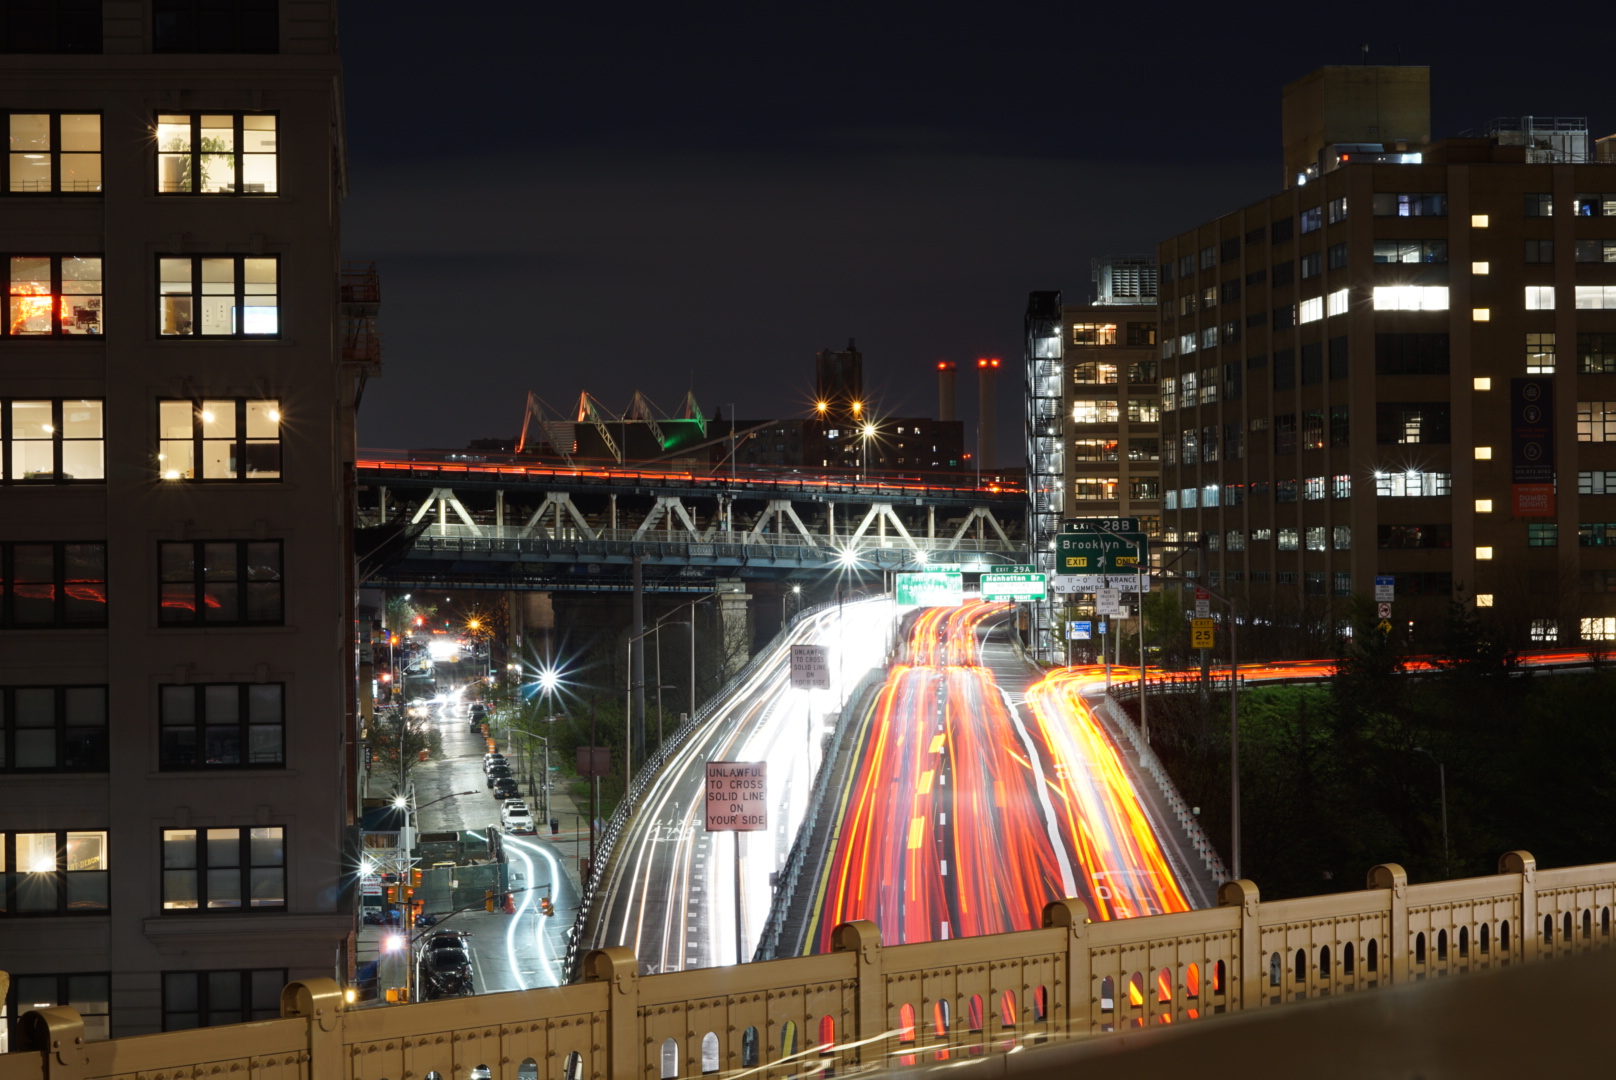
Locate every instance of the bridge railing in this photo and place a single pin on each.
(866, 1004)
(723, 545)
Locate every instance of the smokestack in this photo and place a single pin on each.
(987, 397)
(947, 397)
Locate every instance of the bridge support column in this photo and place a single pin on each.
(532, 625)
(735, 630)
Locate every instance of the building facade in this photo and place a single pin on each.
(176, 421)
(1403, 367)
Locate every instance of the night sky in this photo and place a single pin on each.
(665, 197)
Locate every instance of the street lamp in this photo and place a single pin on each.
(546, 741)
(796, 590)
(867, 432)
(1442, 780)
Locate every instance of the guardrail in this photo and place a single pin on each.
(646, 776)
(864, 1004)
(460, 540)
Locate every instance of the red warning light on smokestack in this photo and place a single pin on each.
(987, 362)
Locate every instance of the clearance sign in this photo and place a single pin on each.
(737, 796)
(1531, 446)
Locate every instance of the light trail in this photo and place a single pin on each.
(547, 962)
(963, 818)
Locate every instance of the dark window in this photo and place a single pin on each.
(1411, 354)
(217, 154)
(1231, 290)
(1337, 256)
(1281, 230)
(50, 26)
(227, 439)
(53, 729)
(1232, 381)
(1596, 354)
(54, 153)
(1312, 363)
(1313, 583)
(1312, 265)
(193, 999)
(1538, 205)
(1285, 369)
(1596, 534)
(51, 440)
(1141, 333)
(1254, 363)
(1340, 431)
(1234, 442)
(1313, 429)
(1257, 318)
(53, 296)
(1285, 492)
(221, 583)
(54, 873)
(1142, 372)
(1338, 358)
(1542, 534)
(1406, 537)
(1257, 236)
(223, 725)
(1230, 249)
(87, 994)
(1410, 422)
(1312, 219)
(215, 26)
(53, 584)
(1285, 437)
(1539, 251)
(1167, 271)
(1410, 251)
(1284, 317)
(1389, 204)
(1257, 277)
(224, 869)
(1231, 332)
(218, 296)
(1284, 273)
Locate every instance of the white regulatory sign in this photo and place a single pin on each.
(737, 796)
(1108, 601)
(810, 667)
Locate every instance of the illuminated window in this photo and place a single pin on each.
(1094, 489)
(224, 869)
(1094, 333)
(1542, 534)
(54, 153)
(1336, 303)
(1484, 553)
(1595, 251)
(1545, 630)
(1410, 251)
(55, 873)
(1538, 204)
(1596, 483)
(222, 725)
(53, 729)
(1540, 354)
(1094, 450)
(1482, 383)
(53, 295)
(1091, 372)
(53, 584)
(1479, 221)
(1338, 210)
(1287, 540)
(221, 583)
(1481, 268)
(1413, 484)
(1598, 629)
(1484, 599)
(218, 296)
(1481, 314)
(51, 441)
(1341, 537)
(1484, 506)
(1387, 204)
(1310, 310)
(1141, 411)
(224, 439)
(1312, 220)
(1341, 486)
(1094, 411)
(1596, 421)
(1596, 297)
(1484, 453)
(1411, 298)
(216, 154)
(1540, 298)
(1312, 488)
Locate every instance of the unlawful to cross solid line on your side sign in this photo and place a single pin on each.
(737, 796)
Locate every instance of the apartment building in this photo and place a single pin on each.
(1402, 365)
(176, 447)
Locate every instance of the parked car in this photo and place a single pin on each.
(499, 772)
(479, 711)
(444, 939)
(492, 759)
(517, 818)
(505, 788)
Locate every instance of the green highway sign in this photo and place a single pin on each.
(1014, 587)
(1116, 525)
(930, 588)
(1011, 568)
(1098, 553)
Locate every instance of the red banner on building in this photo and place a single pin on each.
(1531, 415)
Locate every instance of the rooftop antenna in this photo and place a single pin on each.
(1365, 55)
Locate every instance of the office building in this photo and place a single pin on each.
(1403, 365)
(177, 729)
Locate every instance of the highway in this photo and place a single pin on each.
(974, 805)
(670, 893)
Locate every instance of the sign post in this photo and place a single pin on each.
(737, 802)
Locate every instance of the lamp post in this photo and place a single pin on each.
(546, 741)
(1442, 781)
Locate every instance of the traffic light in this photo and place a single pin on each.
(415, 877)
(392, 894)
(546, 906)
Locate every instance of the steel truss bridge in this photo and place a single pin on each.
(491, 524)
